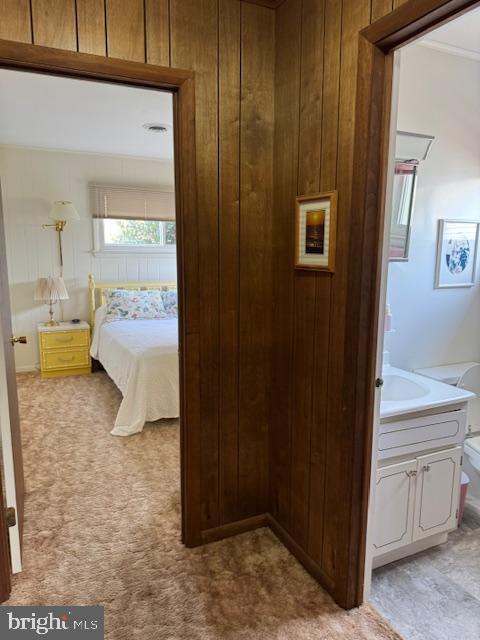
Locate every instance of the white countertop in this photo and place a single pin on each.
(431, 393)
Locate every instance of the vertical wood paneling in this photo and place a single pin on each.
(91, 26)
(287, 107)
(157, 30)
(194, 45)
(54, 23)
(15, 21)
(398, 3)
(356, 15)
(256, 181)
(380, 8)
(328, 180)
(126, 29)
(310, 144)
(229, 247)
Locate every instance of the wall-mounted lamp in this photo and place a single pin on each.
(62, 212)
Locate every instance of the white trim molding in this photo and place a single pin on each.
(449, 48)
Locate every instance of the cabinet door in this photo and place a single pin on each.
(437, 493)
(394, 506)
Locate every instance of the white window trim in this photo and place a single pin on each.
(101, 249)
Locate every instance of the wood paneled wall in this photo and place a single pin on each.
(230, 46)
(311, 443)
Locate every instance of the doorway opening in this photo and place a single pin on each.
(98, 183)
(424, 519)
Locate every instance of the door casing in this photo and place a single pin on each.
(377, 44)
(35, 58)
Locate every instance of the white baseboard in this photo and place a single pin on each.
(27, 368)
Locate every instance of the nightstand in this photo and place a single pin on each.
(64, 349)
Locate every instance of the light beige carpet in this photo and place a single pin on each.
(103, 527)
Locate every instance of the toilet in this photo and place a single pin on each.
(467, 376)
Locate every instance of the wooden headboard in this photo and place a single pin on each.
(97, 290)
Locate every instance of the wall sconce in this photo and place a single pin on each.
(62, 212)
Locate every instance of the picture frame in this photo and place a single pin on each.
(316, 231)
(457, 251)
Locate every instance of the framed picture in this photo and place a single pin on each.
(315, 231)
(456, 253)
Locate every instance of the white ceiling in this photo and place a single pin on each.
(460, 36)
(78, 115)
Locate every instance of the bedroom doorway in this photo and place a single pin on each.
(98, 182)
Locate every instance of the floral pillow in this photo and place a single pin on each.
(125, 304)
(170, 302)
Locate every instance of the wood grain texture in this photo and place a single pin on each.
(256, 186)
(324, 288)
(91, 26)
(157, 30)
(229, 47)
(194, 45)
(15, 22)
(126, 29)
(287, 108)
(54, 24)
(380, 8)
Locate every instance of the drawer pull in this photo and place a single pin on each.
(66, 359)
(411, 474)
(63, 340)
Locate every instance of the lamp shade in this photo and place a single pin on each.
(63, 210)
(50, 289)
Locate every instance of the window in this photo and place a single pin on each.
(138, 233)
(134, 236)
(133, 219)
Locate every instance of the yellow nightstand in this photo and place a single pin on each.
(64, 349)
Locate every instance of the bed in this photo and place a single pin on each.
(140, 356)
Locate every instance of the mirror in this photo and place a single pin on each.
(404, 182)
(410, 150)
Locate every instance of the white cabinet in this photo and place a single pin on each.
(416, 499)
(437, 493)
(394, 506)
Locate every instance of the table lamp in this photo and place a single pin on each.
(50, 290)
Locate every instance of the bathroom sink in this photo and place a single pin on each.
(404, 392)
(397, 388)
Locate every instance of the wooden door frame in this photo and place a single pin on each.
(38, 59)
(377, 44)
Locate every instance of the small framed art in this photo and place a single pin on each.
(457, 250)
(315, 231)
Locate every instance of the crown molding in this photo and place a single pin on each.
(449, 48)
(271, 4)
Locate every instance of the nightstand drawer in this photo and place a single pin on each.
(64, 339)
(72, 359)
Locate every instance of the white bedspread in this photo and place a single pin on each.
(141, 357)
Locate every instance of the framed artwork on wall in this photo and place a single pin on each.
(315, 231)
(457, 250)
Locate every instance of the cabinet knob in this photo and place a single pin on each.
(379, 383)
(426, 467)
(20, 339)
(411, 474)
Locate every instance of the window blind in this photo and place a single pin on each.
(131, 203)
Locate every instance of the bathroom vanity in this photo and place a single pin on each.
(420, 449)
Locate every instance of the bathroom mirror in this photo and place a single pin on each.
(404, 182)
(410, 150)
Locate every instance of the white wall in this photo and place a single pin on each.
(31, 180)
(439, 95)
